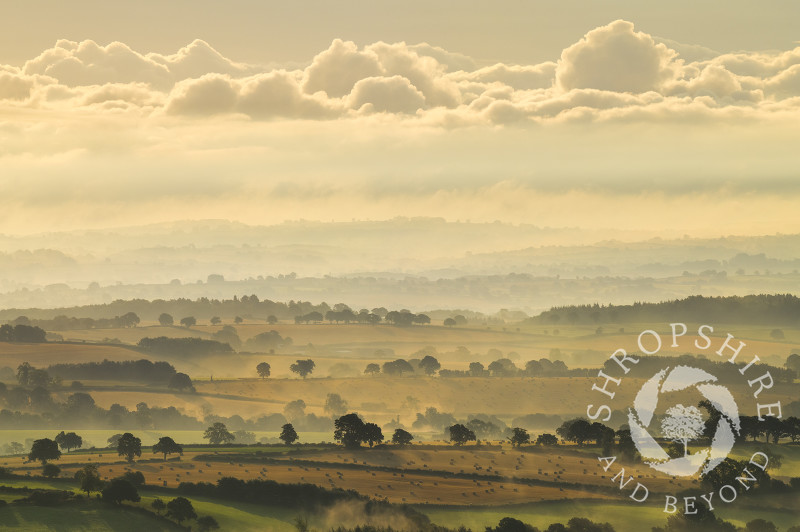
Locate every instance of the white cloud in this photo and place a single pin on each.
(208, 95)
(616, 58)
(517, 76)
(613, 73)
(393, 95)
(14, 86)
(338, 68)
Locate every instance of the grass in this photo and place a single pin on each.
(91, 517)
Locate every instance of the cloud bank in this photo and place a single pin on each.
(614, 72)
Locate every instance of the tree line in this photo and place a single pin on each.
(763, 309)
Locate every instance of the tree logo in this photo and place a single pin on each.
(683, 424)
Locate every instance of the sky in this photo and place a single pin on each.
(674, 118)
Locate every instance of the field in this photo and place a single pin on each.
(454, 486)
(472, 485)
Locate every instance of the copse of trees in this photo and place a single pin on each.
(266, 341)
(183, 346)
(127, 370)
(22, 333)
(351, 431)
(65, 323)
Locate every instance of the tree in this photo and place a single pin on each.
(129, 446)
(68, 441)
(272, 320)
(546, 439)
(449, 322)
(760, 525)
(349, 430)
(89, 479)
(44, 450)
(51, 470)
(519, 437)
(263, 369)
(166, 320)
(429, 365)
(459, 434)
(167, 445)
(401, 437)
(217, 434)
(134, 477)
(476, 369)
(23, 372)
(206, 523)
(237, 320)
(372, 434)
(188, 321)
(180, 509)
(181, 381)
(372, 369)
(303, 367)
(575, 430)
(113, 440)
(288, 434)
(158, 505)
(120, 490)
(397, 367)
(335, 405)
(216, 320)
(682, 424)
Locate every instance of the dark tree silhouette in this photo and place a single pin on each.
(401, 437)
(181, 381)
(51, 470)
(166, 320)
(288, 434)
(519, 437)
(206, 523)
(44, 450)
(263, 369)
(372, 369)
(216, 320)
(167, 445)
(129, 446)
(218, 434)
(429, 365)
(349, 430)
(372, 434)
(68, 441)
(180, 509)
(303, 367)
(89, 479)
(120, 490)
(459, 434)
(188, 321)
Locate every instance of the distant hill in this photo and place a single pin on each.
(763, 309)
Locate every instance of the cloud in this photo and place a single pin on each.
(616, 58)
(393, 95)
(88, 63)
(522, 77)
(613, 73)
(277, 94)
(336, 70)
(14, 86)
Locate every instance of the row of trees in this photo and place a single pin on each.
(22, 333)
(66, 323)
